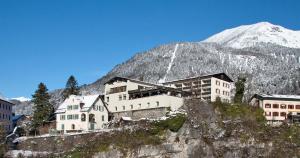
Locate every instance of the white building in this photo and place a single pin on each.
(81, 113)
(277, 107)
(124, 94)
(207, 87)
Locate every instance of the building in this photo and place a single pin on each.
(207, 87)
(18, 120)
(277, 107)
(81, 113)
(129, 97)
(6, 115)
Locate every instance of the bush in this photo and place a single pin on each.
(173, 123)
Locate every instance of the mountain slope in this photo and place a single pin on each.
(251, 35)
(269, 67)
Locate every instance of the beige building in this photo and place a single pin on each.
(124, 94)
(207, 87)
(81, 113)
(277, 107)
(6, 115)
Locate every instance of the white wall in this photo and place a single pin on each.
(226, 97)
(82, 125)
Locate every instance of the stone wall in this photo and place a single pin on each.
(144, 113)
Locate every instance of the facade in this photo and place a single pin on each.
(81, 113)
(277, 107)
(123, 94)
(6, 115)
(207, 87)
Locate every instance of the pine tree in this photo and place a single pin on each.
(71, 87)
(42, 107)
(240, 89)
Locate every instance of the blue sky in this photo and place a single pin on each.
(49, 40)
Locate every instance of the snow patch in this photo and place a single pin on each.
(251, 35)
(170, 64)
(21, 99)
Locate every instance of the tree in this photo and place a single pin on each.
(240, 89)
(42, 106)
(71, 87)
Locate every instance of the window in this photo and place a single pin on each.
(291, 106)
(267, 113)
(267, 105)
(283, 114)
(275, 106)
(297, 106)
(275, 113)
(76, 117)
(69, 117)
(107, 99)
(282, 106)
(131, 106)
(123, 107)
(102, 117)
(120, 97)
(157, 103)
(116, 108)
(91, 118)
(148, 105)
(62, 117)
(101, 108)
(75, 107)
(62, 126)
(217, 82)
(124, 96)
(69, 107)
(83, 117)
(218, 91)
(73, 126)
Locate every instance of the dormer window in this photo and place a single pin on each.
(81, 105)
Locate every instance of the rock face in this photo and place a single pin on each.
(204, 134)
(268, 55)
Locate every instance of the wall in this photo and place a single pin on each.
(221, 88)
(144, 113)
(6, 115)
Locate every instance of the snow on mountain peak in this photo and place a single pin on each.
(21, 99)
(262, 32)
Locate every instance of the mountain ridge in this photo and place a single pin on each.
(269, 67)
(262, 32)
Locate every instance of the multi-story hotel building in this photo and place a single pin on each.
(124, 94)
(207, 87)
(277, 107)
(81, 113)
(6, 115)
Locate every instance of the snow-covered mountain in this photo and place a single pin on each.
(21, 99)
(270, 67)
(251, 35)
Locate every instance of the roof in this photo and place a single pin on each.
(277, 97)
(157, 88)
(7, 101)
(88, 101)
(17, 117)
(222, 76)
(118, 78)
